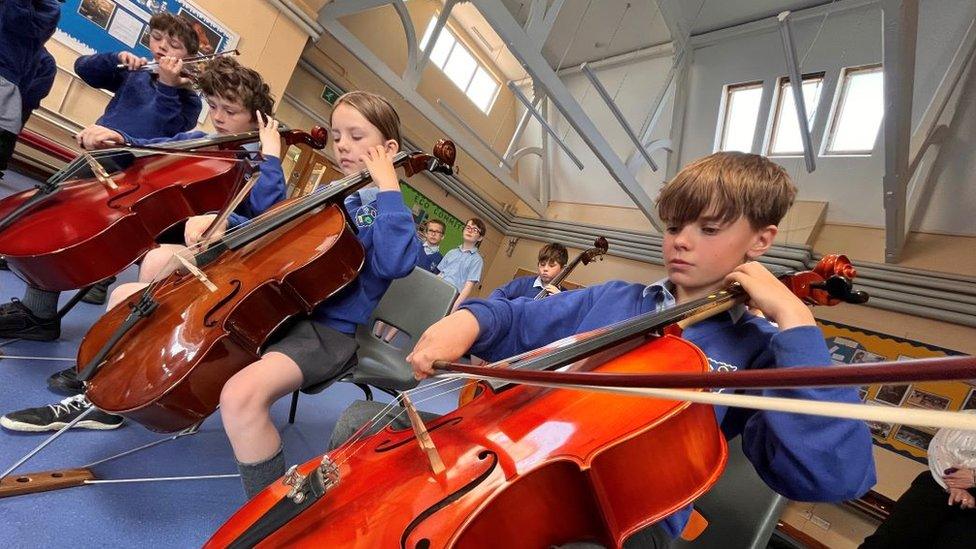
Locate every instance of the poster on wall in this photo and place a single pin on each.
(99, 26)
(424, 209)
(850, 345)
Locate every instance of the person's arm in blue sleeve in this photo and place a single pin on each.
(510, 327)
(503, 292)
(805, 457)
(100, 70)
(267, 191)
(175, 112)
(394, 237)
(31, 18)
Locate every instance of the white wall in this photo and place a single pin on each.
(638, 82)
(852, 185)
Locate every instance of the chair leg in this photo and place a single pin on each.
(366, 391)
(294, 407)
(392, 393)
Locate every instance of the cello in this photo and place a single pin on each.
(162, 357)
(106, 208)
(599, 249)
(532, 466)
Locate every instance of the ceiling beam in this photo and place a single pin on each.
(899, 35)
(541, 20)
(362, 52)
(526, 50)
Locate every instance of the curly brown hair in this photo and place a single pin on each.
(177, 27)
(224, 77)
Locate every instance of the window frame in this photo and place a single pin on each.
(775, 112)
(479, 64)
(840, 96)
(725, 111)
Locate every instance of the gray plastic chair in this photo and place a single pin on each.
(741, 510)
(411, 304)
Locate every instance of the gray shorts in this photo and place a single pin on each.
(323, 354)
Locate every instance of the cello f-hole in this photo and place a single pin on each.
(208, 320)
(451, 498)
(112, 202)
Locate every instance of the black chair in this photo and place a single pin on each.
(411, 304)
(741, 510)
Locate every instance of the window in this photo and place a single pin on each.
(859, 112)
(785, 138)
(740, 116)
(461, 67)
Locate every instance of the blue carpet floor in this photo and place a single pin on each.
(152, 514)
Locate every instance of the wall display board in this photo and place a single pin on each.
(98, 26)
(850, 345)
(425, 209)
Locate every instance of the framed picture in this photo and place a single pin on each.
(97, 11)
(921, 399)
(892, 394)
(970, 402)
(209, 36)
(914, 436)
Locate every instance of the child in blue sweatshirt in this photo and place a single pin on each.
(148, 105)
(721, 214)
(552, 259)
(26, 68)
(238, 97)
(312, 352)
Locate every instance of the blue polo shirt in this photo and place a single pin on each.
(460, 266)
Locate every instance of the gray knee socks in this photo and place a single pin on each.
(42, 303)
(258, 476)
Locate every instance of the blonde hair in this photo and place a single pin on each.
(726, 185)
(376, 109)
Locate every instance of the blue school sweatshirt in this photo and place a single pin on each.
(143, 106)
(25, 25)
(38, 83)
(523, 286)
(389, 238)
(268, 191)
(428, 262)
(804, 458)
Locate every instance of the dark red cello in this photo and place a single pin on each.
(529, 466)
(106, 208)
(162, 358)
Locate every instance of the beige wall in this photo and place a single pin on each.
(380, 28)
(269, 43)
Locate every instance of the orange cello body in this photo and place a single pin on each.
(85, 231)
(166, 369)
(525, 467)
(168, 373)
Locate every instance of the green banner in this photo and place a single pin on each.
(424, 209)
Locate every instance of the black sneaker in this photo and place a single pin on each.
(17, 321)
(3, 264)
(55, 416)
(97, 294)
(66, 382)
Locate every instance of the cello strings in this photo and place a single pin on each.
(358, 440)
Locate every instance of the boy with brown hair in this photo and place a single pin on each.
(720, 214)
(552, 259)
(146, 104)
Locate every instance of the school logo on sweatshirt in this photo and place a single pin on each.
(365, 216)
(719, 366)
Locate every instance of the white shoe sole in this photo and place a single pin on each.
(15, 425)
